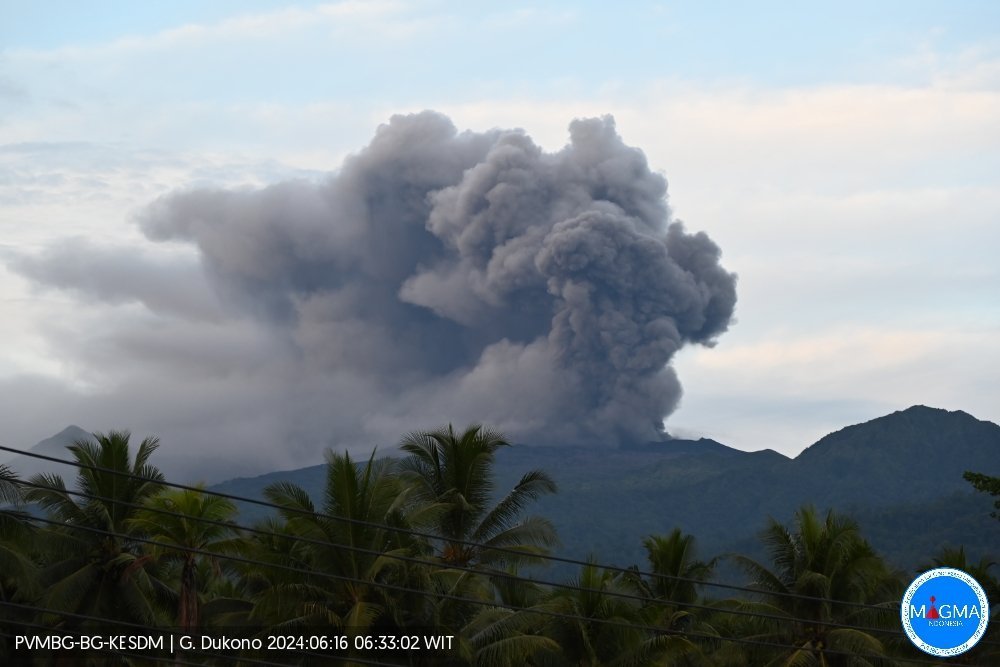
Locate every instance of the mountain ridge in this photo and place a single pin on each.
(609, 499)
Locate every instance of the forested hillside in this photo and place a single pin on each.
(899, 476)
(438, 556)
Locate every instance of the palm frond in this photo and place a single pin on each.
(532, 486)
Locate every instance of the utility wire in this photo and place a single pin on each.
(486, 603)
(491, 573)
(416, 533)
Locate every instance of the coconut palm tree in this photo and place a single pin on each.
(597, 620)
(450, 479)
(350, 536)
(673, 559)
(672, 587)
(824, 561)
(509, 634)
(454, 471)
(92, 565)
(10, 493)
(15, 533)
(18, 573)
(981, 570)
(180, 521)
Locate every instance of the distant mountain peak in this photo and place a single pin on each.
(927, 410)
(919, 437)
(56, 444)
(72, 431)
(925, 417)
(55, 447)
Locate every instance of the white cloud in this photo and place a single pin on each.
(845, 375)
(835, 138)
(384, 17)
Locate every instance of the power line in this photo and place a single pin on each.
(492, 573)
(486, 603)
(425, 535)
(631, 571)
(315, 573)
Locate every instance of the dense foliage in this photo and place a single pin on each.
(986, 484)
(420, 546)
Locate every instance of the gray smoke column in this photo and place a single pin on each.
(473, 276)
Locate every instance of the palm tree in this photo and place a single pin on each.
(18, 573)
(454, 472)
(10, 493)
(824, 561)
(673, 559)
(180, 521)
(350, 537)
(980, 571)
(93, 567)
(597, 620)
(672, 586)
(510, 634)
(450, 479)
(15, 531)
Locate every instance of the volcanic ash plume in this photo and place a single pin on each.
(472, 276)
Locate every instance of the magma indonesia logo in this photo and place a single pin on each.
(945, 612)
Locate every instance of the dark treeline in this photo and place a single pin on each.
(419, 547)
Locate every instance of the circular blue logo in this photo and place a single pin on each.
(944, 612)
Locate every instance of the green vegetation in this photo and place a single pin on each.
(435, 542)
(986, 484)
(90, 565)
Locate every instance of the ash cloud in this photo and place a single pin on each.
(444, 276)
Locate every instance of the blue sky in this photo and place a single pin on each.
(843, 155)
(767, 43)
